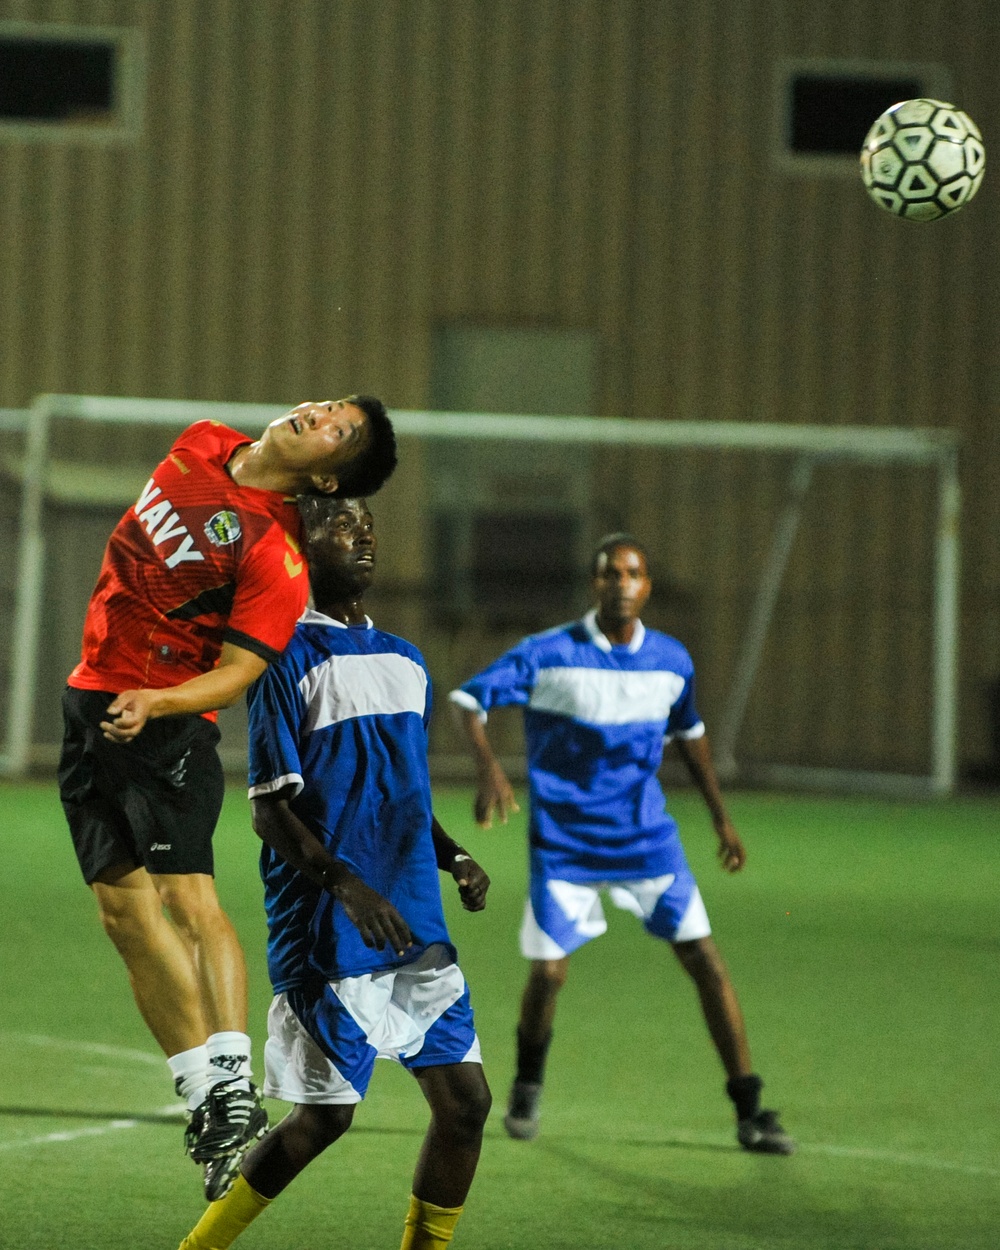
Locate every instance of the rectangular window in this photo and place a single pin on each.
(71, 84)
(831, 116)
(510, 533)
(524, 567)
(824, 108)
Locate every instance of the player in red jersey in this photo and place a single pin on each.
(201, 585)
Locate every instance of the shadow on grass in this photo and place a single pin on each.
(566, 1144)
(766, 1202)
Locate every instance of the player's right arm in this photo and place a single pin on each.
(494, 793)
(219, 687)
(375, 918)
(275, 712)
(507, 682)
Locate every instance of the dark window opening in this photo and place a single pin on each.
(510, 570)
(831, 116)
(48, 80)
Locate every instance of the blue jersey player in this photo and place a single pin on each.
(601, 696)
(358, 953)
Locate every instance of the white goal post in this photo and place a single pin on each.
(806, 445)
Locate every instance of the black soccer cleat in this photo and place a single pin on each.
(231, 1118)
(521, 1120)
(194, 1126)
(220, 1173)
(763, 1133)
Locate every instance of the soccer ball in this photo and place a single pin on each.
(923, 159)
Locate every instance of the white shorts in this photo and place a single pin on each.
(561, 916)
(323, 1040)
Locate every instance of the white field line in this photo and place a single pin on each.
(126, 1053)
(175, 1111)
(48, 1139)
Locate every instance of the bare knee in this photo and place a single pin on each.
(549, 975)
(473, 1107)
(129, 916)
(293, 1144)
(459, 1098)
(317, 1127)
(191, 903)
(700, 958)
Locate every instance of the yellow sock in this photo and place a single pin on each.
(224, 1220)
(428, 1226)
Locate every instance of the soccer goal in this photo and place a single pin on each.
(463, 476)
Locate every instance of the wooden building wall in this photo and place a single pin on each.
(317, 186)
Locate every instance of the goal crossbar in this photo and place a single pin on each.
(808, 445)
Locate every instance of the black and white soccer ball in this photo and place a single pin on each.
(923, 159)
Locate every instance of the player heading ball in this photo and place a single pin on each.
(202, 582)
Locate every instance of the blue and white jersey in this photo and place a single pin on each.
(342, 718)
(596, 716)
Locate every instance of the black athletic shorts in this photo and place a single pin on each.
(153, 801)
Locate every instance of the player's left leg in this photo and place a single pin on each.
(432, 996)
(460, 1101)
(672, 909)
(757, 1129)
(701, 960)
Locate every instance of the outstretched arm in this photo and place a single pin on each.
(697, 755)
(494, 792)
(472, 880)
(375, 918)
(219, 687)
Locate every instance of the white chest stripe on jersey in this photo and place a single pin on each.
(345, 686)
(601, 696)
(162, 522)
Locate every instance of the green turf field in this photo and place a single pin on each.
(863, 940)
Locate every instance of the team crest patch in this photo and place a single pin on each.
(223, 528)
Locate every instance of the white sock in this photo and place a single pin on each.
(191, 1075)
(228, 1058)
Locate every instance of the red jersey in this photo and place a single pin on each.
(197, 561)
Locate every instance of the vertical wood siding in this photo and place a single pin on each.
(319, 185)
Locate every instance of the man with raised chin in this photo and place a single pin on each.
(201, 584)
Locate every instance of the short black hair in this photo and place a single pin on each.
(367, 472)
(611, 542)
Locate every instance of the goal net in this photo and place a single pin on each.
(812, 571)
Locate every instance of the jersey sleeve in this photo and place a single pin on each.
(429, 701)
(506, 682)
(272, 590)
(275, 709)
(684, 721)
